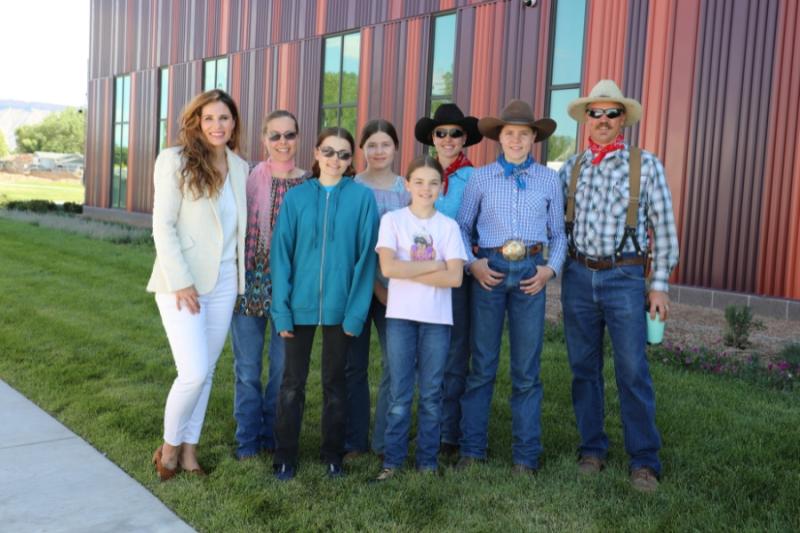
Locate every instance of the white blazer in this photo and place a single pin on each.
(187, 231)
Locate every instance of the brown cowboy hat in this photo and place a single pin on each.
(447, 114)
(606, 91)
(517, 113)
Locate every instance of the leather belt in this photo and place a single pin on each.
(604, 263)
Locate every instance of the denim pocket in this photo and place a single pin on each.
(634, 272)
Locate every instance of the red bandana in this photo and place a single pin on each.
(601, 151)
(461, 161)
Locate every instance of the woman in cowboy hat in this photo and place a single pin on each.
(450, 131)
(515, 205)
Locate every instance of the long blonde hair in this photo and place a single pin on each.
(198, 174)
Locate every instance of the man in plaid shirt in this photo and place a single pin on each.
(603, 283)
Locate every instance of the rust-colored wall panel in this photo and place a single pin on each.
(779, 235)
(727, 152)
(143, 140)
(635, 47)
(667, 95)
(605, 41)
(97, 171)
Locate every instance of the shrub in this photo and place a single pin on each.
(72, 207)
(37, 206)
(791, 353)
(741, 324)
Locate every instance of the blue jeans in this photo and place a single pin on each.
(525, 328)
(417, 350)
(592, 301)
(254, 408)
(455, 371)
(358, 405)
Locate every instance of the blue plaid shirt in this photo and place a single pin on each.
(601, 205)
(500, 210)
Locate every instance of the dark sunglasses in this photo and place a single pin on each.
(612, 112)
(454, 133)
(328, 152)
(288, 135)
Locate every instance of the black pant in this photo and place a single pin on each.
(292, 396)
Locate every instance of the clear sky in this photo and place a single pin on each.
(44, 51)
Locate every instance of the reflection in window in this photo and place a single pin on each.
(340, 81)
(163, 104)
(566, 67)
(119, 168)
(215, 74)
(442, 61)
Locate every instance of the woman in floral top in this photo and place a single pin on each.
(379, 142)
(254, 405)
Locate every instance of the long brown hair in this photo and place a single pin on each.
(198, 175)
(342, 134)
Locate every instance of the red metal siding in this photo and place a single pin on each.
(779, 235)
(97, 171)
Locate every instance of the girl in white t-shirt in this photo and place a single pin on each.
(422, 254)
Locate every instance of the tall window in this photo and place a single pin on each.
(566, 66)
(119, 169)
(442, 61)
(163, 104)
(215, 74)
(340, 81)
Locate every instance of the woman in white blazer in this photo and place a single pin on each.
(199, 223)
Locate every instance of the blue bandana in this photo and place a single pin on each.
(510, 169)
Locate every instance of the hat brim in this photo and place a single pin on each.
(423, 131)
(490, 127)
(633, 109)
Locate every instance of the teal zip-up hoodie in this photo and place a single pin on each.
(322, 258)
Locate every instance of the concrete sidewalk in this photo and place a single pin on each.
(52, 480)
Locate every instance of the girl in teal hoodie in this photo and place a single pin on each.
(323, 267)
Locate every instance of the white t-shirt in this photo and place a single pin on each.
(420, 239)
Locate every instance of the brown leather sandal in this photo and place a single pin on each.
(164, 473)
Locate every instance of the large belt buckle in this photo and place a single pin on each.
(591, 259)
(513, 250)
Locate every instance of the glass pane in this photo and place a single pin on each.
(115, 188)
(222, 74)
(162, 134)
(126, 98)
(349, 119)
(210, 74)
(444, 50)
(436, 102)
(330, 118)
(125, 130)
(562, 144)
(330, 82)
(568, 48)
(123, 186)
(352, 48)
(118, 100)
(164, 100)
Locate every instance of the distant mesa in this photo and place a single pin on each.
(16, 113)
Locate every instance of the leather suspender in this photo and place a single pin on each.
(634, 177)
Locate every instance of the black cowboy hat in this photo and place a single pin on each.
(447, 114)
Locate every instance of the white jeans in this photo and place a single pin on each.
(196, 342)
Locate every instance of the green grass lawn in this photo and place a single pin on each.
(80, 337)
(16, 187)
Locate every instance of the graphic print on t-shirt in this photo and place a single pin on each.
(422, 249)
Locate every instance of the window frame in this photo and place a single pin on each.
(118, 193)
(163, 108)
(215, 62)
(339, 106)
(430, 98)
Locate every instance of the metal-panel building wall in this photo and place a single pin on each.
(721, 97)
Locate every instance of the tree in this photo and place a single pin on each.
(3, 145)
(59, 132)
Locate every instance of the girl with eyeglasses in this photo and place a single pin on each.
(379, 142)
(450, 132)
(267, 185)
(323, 267)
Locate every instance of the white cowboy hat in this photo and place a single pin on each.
(606, 91)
